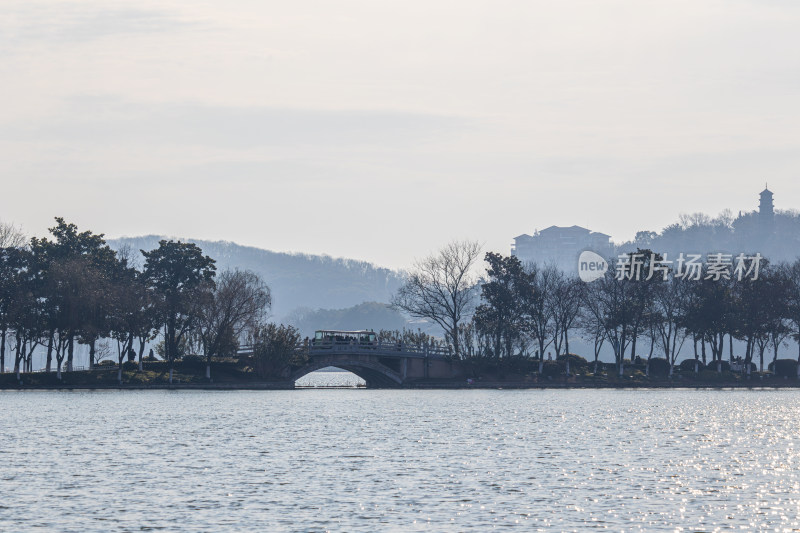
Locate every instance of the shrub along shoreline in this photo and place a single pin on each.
(238, 374)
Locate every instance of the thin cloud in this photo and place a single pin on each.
(77, 23)
(109, 121)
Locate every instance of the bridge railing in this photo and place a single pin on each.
(398, 349)
(387, 349)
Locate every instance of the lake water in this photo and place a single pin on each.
(367, 460)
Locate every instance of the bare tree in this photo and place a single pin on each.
(792, 273)
(442, 288)
(129, 256)
(607, 305)
(670, 298)
(539, 312)
(594, 331)
(565, 301)
(11, 236)
(238, 303)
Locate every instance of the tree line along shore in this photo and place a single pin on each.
(527, 313)
(513, 323)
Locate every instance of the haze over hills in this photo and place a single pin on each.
(368, 315)
(297, 280)
(320, 292)
(773, 233)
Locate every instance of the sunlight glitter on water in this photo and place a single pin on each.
(366, 460)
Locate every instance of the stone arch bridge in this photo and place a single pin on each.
(379, 364)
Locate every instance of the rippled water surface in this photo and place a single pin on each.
(366, 460)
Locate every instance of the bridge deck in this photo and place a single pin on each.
(381, 349)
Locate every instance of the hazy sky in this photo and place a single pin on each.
(380, 130)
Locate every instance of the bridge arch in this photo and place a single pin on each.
(375, 374)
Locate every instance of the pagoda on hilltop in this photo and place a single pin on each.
(766, 212)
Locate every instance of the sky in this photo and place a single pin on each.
(383, 130)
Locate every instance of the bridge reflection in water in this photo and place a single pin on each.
(330, 378)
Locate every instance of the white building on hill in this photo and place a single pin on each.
(560, 245)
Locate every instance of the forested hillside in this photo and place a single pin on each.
(296, 280)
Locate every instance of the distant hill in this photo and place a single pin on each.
(296, 280)
(777, 239)
(368, 315)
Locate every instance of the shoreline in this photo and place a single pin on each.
(265, 386)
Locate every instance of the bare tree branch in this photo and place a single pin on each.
(442, 288)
